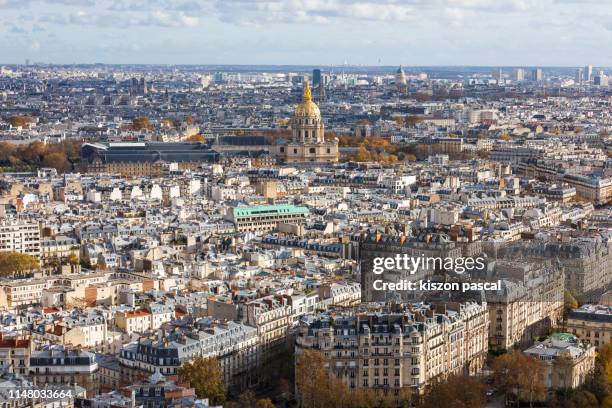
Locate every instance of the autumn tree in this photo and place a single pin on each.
(141, 123)
(80, 303)
(413, 120)
(454, 392)
(570, 301)
(573, 398)
(19, 120)
(519, 376)
(17, 264)
(195, 138)
(57, 160)
(73, 259)
(316, 387)
(204, 375)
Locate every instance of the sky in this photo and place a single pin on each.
(308, 32)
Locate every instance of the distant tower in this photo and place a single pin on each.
(588, 73)
(144, 89)
(579, 76)
(519, 74)
(537, 75)
(316, 78)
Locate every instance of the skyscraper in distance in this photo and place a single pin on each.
(579, 76)
(519, 74)
(537, 75)
(316, 78)
(588, 73)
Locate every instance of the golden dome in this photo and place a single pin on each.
(307, 108)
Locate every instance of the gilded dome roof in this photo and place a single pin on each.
(307, 108)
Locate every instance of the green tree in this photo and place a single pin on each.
(204, 375)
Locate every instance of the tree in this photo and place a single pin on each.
(57, 160)
(141, 123)
(264, 403)
(570, 398)
(195, 138)
(570, 300)
(520, 376)
(604, 359)
(362, 154)
(19, 121)
(85, 262)
(316, 388)
(16, 263)
(505, 136)
(454, 392)
(413, 120)
(204, 375)
(80, 303)
(73, 259)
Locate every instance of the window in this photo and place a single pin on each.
(312, 150)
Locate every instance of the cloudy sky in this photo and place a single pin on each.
(308, 32)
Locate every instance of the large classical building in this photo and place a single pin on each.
(144, 159)
(578, 360)
(308, 144)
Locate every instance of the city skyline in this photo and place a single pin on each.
(414, 32)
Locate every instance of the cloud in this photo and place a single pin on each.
(108, 20)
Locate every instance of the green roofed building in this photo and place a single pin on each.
(257, 218)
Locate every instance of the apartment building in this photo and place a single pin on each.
(587, 262)
(235, 345)
(56, 365)
(272, 316)
(529, 302)
(424, 244)
(22, 293)
(58, 248)
(406, 347)
(20, 236)
(592, 324)
(15, 354)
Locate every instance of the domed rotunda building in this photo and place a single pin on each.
(308, 144)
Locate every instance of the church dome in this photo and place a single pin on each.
(307, 108)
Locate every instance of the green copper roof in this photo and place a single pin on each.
(563, 336)
(262, 210)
